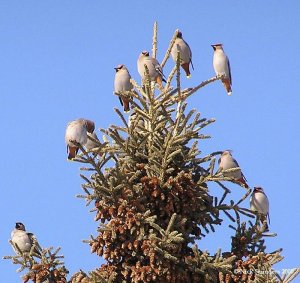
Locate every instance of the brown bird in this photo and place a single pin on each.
(76, 134)
(259, 202)
(222, 66)
(155, 70)
(122, 83)
(226, 161)
(23, 240)
(185, 54)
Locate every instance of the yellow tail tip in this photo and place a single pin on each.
(229, 93)
(189, 76)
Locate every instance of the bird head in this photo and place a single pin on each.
(217, 46)
(258, 189)
(119, 67)
(145, 53)
(20, 226)
(179, 34)
(226, 152)
(90, 125)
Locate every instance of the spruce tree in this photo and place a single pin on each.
(149, 187)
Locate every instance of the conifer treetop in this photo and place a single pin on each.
(149, 187)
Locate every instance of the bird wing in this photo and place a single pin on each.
(244, 176)
(34, 242)
(158, 67)
(192, 64)
(236, 163)
(190, 53)
(229, 69)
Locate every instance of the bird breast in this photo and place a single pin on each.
(220, 63)
(151, 67)
(122, 81)
(260, 203)
(76, 132)
(228, 163)
(22, 240)
(184, 50)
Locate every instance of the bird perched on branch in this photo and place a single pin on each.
(155, 70)
(259, 202)
(222, 66)
(24, 240)
(76, 135)
(226, 162)
(185, 54)
(122, 83)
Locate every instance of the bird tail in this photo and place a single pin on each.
(186, 68)
(243, 181)
(72, 152)
(159, 81)
(126, 105)
(227, 85)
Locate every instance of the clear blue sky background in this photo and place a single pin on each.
(56, 65)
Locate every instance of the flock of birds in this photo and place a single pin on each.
(122, 78)
(80, 132)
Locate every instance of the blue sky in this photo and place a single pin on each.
(56, 65)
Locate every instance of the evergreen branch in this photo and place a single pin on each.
(167, 115)
(143, 114)
(142, 99)
(165, 254)
(244, 197)
(93, 163)
(246, 212)
(170, 78)
(147, 85)
(121, 116)
(171, 223)
(85, 178)
(204, 83)
(165, 97)
(206, 123)
(154, 40)
(48, 266)
(211, 166)
(178, 59)
(104, 160)
(290, 275)
(186, 118)
(156, 227)
(195, 121)
(168, 52)
(223, 187)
